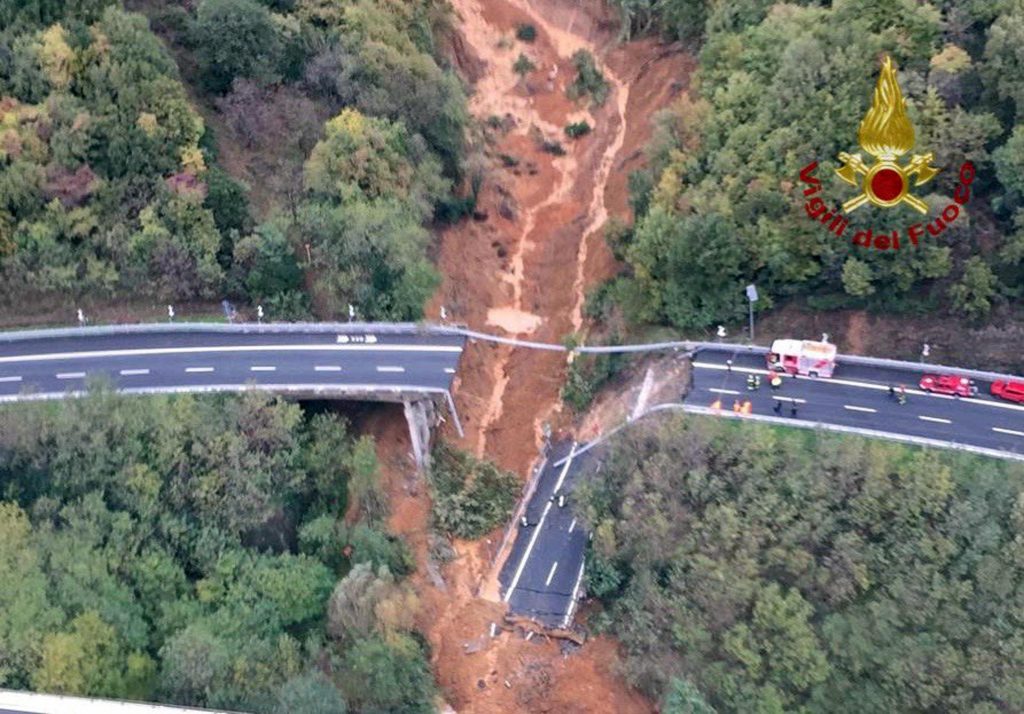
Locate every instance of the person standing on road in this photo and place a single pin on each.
(778, 407)
(792, 409)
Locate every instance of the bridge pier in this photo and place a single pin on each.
(420, 415)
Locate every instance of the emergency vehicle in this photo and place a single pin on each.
(814, 359)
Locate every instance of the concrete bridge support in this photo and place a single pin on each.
(421, 416)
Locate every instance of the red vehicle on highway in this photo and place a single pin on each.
(1011, 391)
(949, 384)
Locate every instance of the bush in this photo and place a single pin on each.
(589, 80)
(526, 32)
(523, 65)
(234, 38)
(587, 374)
(577, 129)
(470, 496)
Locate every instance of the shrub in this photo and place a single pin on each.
(471, 496)
(577, 129)
(589, 80)
(523, 65)
(526, 32)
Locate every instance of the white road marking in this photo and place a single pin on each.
(551, 573)
(70, 375)
(133, 372)
(797, 400)
(716, 390)
(876, 387)
(575, 594)
(852, 408)
(10, 379)
(386, 368)
(536, 531)
(150, 351)
(1008, 431)
(937, 420)
(572, 526)
(449, 370)
(326, 368)
(263, 368)
(191, 370)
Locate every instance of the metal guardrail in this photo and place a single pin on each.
(237, 327)
(426, 328)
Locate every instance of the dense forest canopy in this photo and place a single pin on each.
(755, 569)
(109, 181)
(780, 85)
(194, 551)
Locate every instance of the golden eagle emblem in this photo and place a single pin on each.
(886, 133)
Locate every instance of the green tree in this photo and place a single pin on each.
(684, 698)
(310, 693)
(234, 38)
(387, 676)
(376, 156)
(974, 293)
(857, 277)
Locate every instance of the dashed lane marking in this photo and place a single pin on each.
(572, 526)
(1008, 431)
(853, 408)
(449, 370)
(551, 573)
(326, 368)
(385, 368)
(937, 420)
(70, 375)
(536, 531)
(716, 390)
(10, 379)
(869, 385)
(795, 400)
(133, 372)
(194, 370)
(149, 351)
(262, 368)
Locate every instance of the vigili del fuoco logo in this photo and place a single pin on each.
(887, 134)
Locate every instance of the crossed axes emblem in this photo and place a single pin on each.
(879, 185)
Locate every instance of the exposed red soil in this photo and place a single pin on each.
(522, 268)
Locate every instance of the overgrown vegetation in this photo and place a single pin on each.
(526, 32)
(108, 179)
(721, 206)
(192, 550)
(471, 496)
(586, 375)
(754, 569)
(577, 129)
(589, 81)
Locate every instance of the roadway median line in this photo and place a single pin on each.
(536, 531)
(197, 370)
(551, 573)
(937, 420)
(151, 351)
(716, 390)
(853, 408)
(10, 379)
(133, 372)
(262, 368)
(326, 368)
(865, 385)
(1013, 432)
(70, 375)
(386, 368)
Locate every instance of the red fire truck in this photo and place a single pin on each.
(814, 359)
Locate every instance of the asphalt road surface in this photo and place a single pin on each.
(857, 396)
(543, 574)
(181, 361)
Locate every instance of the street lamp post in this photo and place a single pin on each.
(751, 299)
